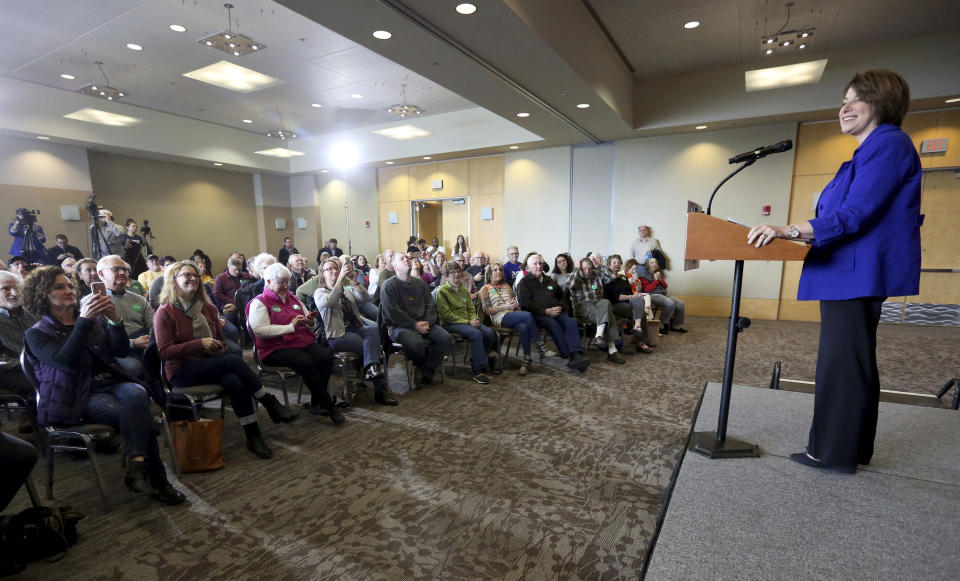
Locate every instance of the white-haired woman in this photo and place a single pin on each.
(338, 298)
(283, 332)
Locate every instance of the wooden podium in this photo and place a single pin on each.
(710, 238)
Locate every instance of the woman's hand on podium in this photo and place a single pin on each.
(764, 234)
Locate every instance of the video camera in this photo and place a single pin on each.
(93, 210)
(26, 216)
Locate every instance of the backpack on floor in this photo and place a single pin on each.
(37, 533)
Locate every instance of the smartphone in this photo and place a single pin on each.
(98, 288)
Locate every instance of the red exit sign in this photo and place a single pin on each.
(933, 145)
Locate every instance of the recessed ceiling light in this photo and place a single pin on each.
(583, 106)
(389, 163)
(769, 51)
(279, 152)
(402, 132)
(466, 8)
(381, 34)
(514, 147)
(132, 46)
(801, 46)
(427, 157)
(234, 77)
(217, 163)
(324, 171)
(67, 77)
(91, 115)
(357, 96)
(692, 24)
(178, 28)
(786, 76)
(248, 120)
(701, 126)
(954, 100)
(523, 114)
(43, 137)
(317, 105)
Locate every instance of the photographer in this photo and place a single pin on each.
(28, 237)
(106, 236)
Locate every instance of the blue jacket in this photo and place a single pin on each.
(867, 226)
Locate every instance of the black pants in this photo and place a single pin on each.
(848, 382)
(313, 363)
(16, 461)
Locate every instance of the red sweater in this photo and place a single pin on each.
(174, 332)
(650, 286)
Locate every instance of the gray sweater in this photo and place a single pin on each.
(331, 312)
(402, 304)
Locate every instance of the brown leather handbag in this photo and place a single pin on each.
(198, 444)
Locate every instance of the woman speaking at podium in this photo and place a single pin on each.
(865, 247)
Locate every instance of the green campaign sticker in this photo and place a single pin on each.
(550, 287)
(594, 286)
(275, 309)
(464, 299)
(137, 307)
(296, 307)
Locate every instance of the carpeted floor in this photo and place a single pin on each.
(551, 476)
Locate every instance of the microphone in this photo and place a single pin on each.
(785, 145)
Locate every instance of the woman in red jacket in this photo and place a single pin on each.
(651, 281)
(190, 340)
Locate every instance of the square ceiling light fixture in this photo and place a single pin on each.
(99, 117)
(806, 73)
(232, 42)
(403, 132)
(233, 77)
(279, 152)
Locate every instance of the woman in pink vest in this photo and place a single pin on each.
(191, 344)
(283, 331)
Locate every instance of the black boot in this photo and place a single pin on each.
(382, 395)
(255, 443)
(278, 412)
(374, 370)
(136, 478)
(166, 493)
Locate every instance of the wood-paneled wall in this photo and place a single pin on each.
(480, 179)
(821, 148)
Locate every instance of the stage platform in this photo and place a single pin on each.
(771, 518)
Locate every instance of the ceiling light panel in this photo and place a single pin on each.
(91, 115)
(786, 76)
(402, 132)
(233, 77)
(279, 152)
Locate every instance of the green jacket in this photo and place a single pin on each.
(454, 304)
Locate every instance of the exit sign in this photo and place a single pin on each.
(938, 145)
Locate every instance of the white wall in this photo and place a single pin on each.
(362, 197)
(536, 197)
(593, 174)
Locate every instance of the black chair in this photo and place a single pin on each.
(185, 398)
(390, 346)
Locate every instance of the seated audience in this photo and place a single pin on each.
(338, 302)
(457, 314)
(283, 333)
(476, 265)
(362, 268)
(14, 322)
(412, 244)
(417, 270)
(630, 270)
(154, 270)
(62, 251)
(73, 353)
(69, 266)
(205, 266)
(86, 273)
(299, 272)
(385, 273)
(410, 315)
(17, 459)
(466, 281)
(512, 266)
(156, 287)
(541, 296)
(460, 247)
(500, 304)
(651, 281)
(254, 285)
(191, 344)
(627, 303)
(286, 251)
(135, 312)
(589, 306)
(562, 270)
(225, 288)
(373, 277)
(19, 266)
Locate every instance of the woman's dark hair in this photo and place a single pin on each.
(36, 287)
(570, 266)
(887, 93)
(208, 265)
(130, 221)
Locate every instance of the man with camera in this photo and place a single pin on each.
(28, 237)
(107, 237)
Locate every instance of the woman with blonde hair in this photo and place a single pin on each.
(191, 344)
(500, 304)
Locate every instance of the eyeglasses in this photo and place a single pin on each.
(331, 269)
(189, 276)
(119, 269)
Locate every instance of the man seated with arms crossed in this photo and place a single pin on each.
(408, 310)
(62, 251)
(512, 266)
(135, 312)
(14, 321)
(543, 297)
(459, 315)
(154, 269)
(225, 288)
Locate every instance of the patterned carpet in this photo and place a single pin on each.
(551, 476)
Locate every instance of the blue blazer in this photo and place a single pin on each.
(867, 226)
